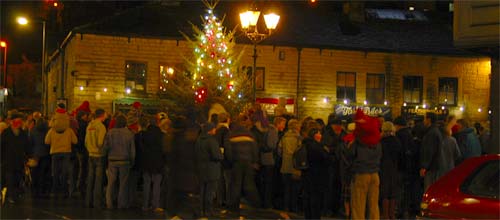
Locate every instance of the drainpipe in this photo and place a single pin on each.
(63, 75)
(299, 50)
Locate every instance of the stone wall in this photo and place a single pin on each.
(98, 62)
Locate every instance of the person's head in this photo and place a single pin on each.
(451, 120)
(430, 118)
(82, 115)
(388, 129)
(315, 134)
(120, 121)
(165, 125)
(280, 123)
(37, 115)
(400, 122)
(294, 125)
(16, 121)
(100, 114)
(351, 127)
(336, 125)
(145, 121)
(462, 124)
(320, 122)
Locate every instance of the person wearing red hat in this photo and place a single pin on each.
(365, 154)
(133, 117)
(61, 138)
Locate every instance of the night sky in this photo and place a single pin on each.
(27, 40)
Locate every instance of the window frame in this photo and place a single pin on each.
(455, 98)
(345, 95)
(136, 79)
(371, 90)
(420, 82)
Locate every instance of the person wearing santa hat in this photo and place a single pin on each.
(365, 154)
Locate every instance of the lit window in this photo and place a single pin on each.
(375, 88)
(135, 76)
(448, 91)
(412, 89)
(346, 86)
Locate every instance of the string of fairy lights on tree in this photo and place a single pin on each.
(213, 71)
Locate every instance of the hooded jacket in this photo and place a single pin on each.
(468, 143)
(94, 138)
(60, 142)
(60, 121)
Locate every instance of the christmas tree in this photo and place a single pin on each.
(212, 74)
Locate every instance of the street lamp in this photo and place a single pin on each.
(25, 21)
(249, 21)
(4, 45)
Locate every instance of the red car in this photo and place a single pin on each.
(470, 191)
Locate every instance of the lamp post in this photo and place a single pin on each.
(25, 21)
(4, 45)
(4, 83)
(249, 21)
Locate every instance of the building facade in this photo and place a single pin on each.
(100, 69)
(318, 72)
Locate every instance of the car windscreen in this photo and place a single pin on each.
(484, 181)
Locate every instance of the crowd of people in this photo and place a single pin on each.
(359, 167)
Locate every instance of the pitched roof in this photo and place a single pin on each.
(300, 26)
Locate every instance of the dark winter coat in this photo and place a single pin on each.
(319, 160)
(389, 172)
(365, 159)
(242, 146)
(468, 143)
(152, 150)
(409, 163)
(331, 139)
(40, 149)
(208, 158)
(80, 134)
(222, 137)
(14, 149)
(430, 146)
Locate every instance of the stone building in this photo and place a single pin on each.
(321, 59)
